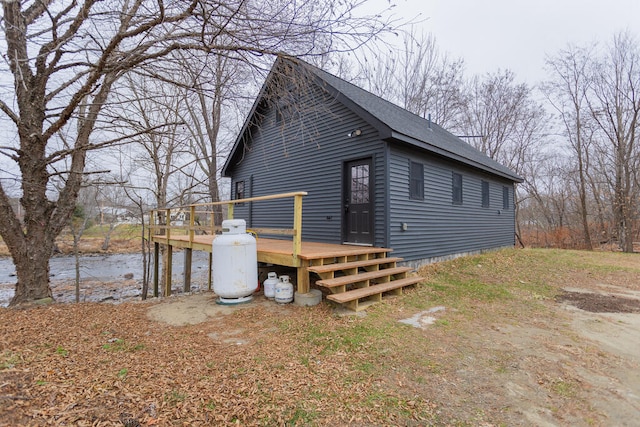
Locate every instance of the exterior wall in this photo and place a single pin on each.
(436, 228)
(306, 152)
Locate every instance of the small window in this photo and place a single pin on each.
(505, 198)
(485, 194)
(456, 188)
(240, 194)
(416, 181)
(286, 110)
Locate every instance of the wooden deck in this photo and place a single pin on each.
(354, 275)
(280, 252)
(277, 248)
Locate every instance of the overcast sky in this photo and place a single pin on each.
(517, 34)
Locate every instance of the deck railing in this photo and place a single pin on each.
(162, 224)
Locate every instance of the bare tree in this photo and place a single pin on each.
(80, 220)
(543, 213)
(615, 107)
(567, 92)
(112, 208)
(61, 55)
(211, 86)
(419, 78)
(158, 154)
(503, 118)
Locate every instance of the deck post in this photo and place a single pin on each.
(156, 268)
(188, 252)
(301, 267)
(192, 222)
(303, 278)
(230, 211)
(168, 268)
(297, 228)
(167, 220)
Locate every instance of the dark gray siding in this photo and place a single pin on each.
(437, 227)
(307, 154)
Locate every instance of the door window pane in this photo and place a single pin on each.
(360, 184)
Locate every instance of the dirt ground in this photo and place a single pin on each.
(601, 356)
(528, 360)
(590, 357)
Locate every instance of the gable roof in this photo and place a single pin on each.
(394, 123)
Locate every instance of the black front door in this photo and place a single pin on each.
(358, 202)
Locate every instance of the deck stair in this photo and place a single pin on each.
(357, 284)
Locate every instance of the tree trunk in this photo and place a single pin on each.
(76, 256)
(625, 232)
(107, 238)
(32, 271)
(215, 197)
(583, 205)
(145, 256)
(77, 230)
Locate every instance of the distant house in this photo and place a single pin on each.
(116, 215)
(376, 174)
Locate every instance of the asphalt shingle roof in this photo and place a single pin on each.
(399, 125)
(413, 129)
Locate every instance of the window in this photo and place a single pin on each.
(485, 194)
(286, 108)
(416, 181)
(456, 188)
(240, 194)
(360, 184)
(505, 198)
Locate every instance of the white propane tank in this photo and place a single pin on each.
(235, 263)
(284, 290)
(269, 285)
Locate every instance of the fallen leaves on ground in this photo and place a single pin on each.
(102, 364)
(504, 352)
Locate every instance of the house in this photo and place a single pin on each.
(375, 173)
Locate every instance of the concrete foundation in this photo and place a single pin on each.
(313, 297)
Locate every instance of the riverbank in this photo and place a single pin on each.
(104, 277)
(89, 245)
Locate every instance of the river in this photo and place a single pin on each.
(103, 276)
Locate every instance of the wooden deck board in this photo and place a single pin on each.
(310, 250)
(362, 277)
(373, 290)
(355, 264)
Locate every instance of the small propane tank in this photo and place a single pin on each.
(284, 290)
(269, 285)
